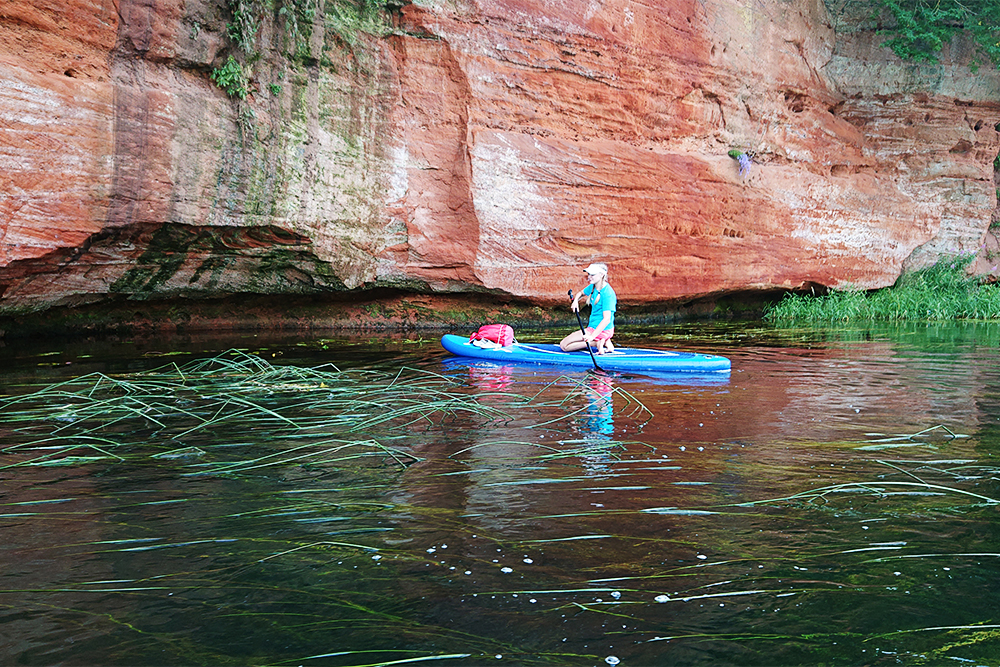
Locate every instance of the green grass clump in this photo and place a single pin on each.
(940, 292)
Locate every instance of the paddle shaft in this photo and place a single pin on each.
(584, 332)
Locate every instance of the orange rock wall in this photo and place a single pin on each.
(469, 145)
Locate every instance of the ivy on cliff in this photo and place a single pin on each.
(234, 75)
(246, 17)
(920, 28)
(345, 19)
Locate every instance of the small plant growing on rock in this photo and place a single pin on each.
(232, 78)
(745, 160)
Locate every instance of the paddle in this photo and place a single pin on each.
(584, 332)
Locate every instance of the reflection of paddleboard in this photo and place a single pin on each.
(622, 359)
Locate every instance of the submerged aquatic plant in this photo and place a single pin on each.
(940, 292)
(331, 413)
(287, 414)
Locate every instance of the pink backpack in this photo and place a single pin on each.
(501, 334)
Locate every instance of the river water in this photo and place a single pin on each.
(830, 501)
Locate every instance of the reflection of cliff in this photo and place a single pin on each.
(454, 147)
(46, 556)
(897, 381)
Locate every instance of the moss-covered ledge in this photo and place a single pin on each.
(368, 311)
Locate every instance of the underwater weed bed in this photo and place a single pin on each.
(834, 501)
(230, 511)
(939, 292)
(287, 414)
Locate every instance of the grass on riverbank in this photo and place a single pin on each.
(940, 292)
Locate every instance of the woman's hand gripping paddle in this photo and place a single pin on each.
(584, 332)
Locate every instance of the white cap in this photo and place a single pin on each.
(597, 269)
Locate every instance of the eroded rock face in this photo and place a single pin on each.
(469, 146)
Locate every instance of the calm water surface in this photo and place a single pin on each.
(828, 502)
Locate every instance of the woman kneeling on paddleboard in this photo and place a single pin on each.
(603, 304)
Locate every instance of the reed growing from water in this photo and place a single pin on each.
(940, 292)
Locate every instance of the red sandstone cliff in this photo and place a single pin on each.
(479, 144)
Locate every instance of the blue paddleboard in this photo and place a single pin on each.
(637, 360)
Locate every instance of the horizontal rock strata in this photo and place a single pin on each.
(478, 147)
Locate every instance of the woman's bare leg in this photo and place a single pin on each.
(573, 342)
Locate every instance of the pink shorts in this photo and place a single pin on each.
(604, 335)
